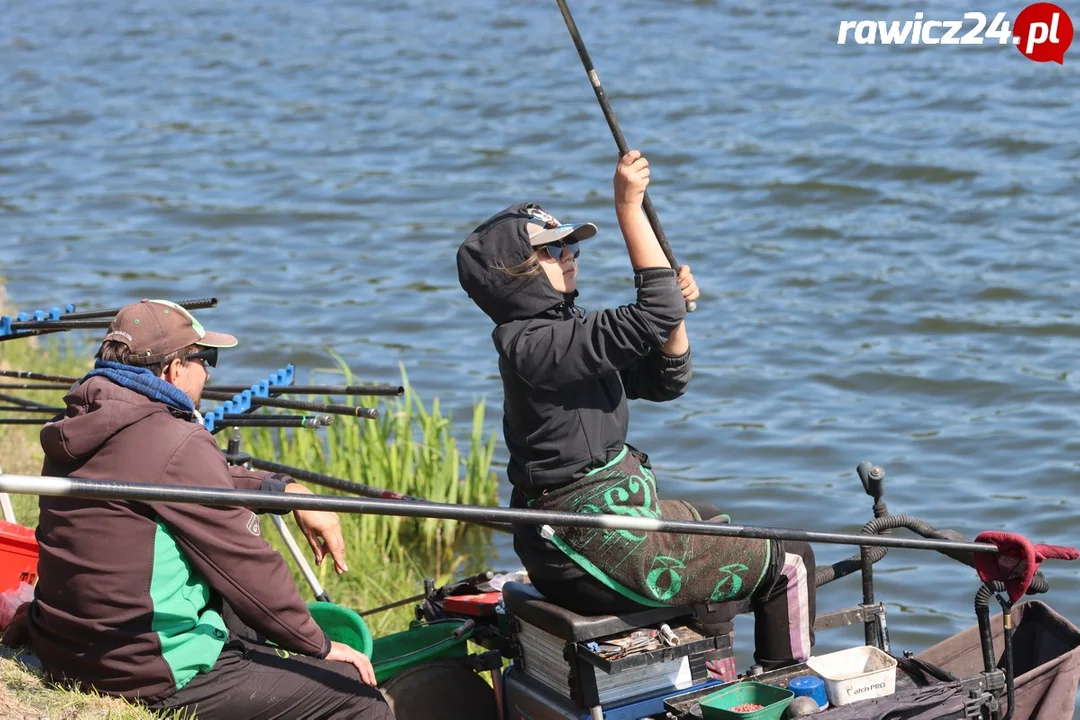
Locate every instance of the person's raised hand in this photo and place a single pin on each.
(688, 285)
(631, 179)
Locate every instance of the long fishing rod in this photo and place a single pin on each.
(336, 483)
(149, 492)
(23, 327)
(27, 409)
(199, 304)
(364, 390)
(229, 420)
(36, 386)
(350, 410)
(616, 132)
(15, 400)
(57, 382)
(304, 421)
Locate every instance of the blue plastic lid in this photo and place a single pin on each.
(810, 685)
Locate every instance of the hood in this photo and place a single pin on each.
(502, 241)
(97, 409)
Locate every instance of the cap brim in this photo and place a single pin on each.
(217, 340)
(566, 233)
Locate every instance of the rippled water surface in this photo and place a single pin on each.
(885, 236)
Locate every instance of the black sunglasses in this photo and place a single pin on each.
(555, 249)
(209, 355)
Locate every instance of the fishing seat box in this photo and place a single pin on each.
(551, 649)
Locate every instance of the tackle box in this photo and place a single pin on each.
(561, 650)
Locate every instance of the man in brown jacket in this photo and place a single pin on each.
(170, 604)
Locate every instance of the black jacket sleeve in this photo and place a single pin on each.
(547, 354)
(657, 377)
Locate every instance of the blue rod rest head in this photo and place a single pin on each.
(245, 401)
(69, 308)
(208, 422)
(5, 325)
(227, 407)
(39, 315)
(22, 317)
(54, 313)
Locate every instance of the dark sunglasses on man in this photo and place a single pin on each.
(207, 355)
(555, 249)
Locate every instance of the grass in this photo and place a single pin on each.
(411, 450)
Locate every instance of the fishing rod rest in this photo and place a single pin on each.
(52, 314)
(241, 402)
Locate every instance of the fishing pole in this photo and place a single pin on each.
(364, 390)
(57, 382)
(350, 410)
(620, 141)
(26, 409)
(199, 304)
(35, 386)
(21, 401)
(92, 319)
(149, 492)
(336, 483)
(304, 421)
(230, 420)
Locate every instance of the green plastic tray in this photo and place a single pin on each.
(774, 700)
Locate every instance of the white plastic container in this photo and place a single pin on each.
(859, 673)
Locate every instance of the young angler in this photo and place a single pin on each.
(567, 375)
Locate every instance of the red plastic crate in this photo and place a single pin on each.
(18, 555)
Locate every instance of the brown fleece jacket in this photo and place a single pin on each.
(129, 593)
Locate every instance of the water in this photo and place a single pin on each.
(884, 236)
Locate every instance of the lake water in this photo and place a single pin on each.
(885, 237)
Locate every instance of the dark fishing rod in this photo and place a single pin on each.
(35, 386)
(275, 390)
(616, 132)
(88, 320)
(148, 492)
(15, 400)
(199, 304)
(24, 421)
(272, 421)
(26, 409)
(350, 410)
(337, 483)
(28, 375)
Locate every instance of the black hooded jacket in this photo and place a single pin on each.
(567, 374)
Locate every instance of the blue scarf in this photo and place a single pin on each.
(144, 382)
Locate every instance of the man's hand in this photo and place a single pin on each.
(687, 284)
(341, 652)
(322, 530)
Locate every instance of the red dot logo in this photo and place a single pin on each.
(1043, 32)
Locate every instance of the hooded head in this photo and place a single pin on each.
(507, 240)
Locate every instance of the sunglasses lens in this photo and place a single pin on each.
(555, 250)
(207, 355)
